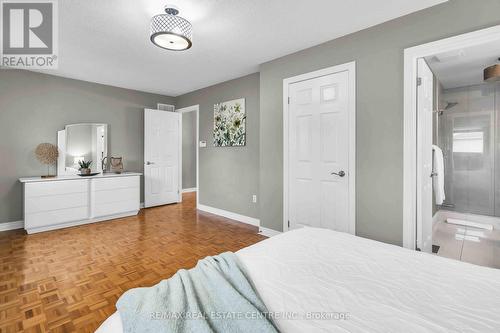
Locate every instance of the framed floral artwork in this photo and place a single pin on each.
(230, 123)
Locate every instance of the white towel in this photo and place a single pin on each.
(438, 170)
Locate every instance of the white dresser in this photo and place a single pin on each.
(60, 202)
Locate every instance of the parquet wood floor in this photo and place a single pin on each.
(70, 279)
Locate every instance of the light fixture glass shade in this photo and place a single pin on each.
(171, 32)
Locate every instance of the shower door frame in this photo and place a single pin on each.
(412, 122)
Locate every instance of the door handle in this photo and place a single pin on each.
(340, 174)
(149, 163)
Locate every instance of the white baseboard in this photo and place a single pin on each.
(11, 225)
(141, 205)
(230, 215)
(189, 190)
(268, 232)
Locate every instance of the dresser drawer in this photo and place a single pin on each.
(117, 195)
(115, 208)
(56, 188)
(55, 202)
(114, 183)
(116, 201)
(54, 217)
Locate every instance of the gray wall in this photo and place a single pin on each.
(33, 107)
(229, 176)
(378, 52)
(188, 150)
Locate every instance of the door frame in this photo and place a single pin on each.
(194, 108)
(349, 67)
(424, 130)
(411, 122)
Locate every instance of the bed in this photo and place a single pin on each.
(318, 280)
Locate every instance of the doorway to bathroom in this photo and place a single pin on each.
(453, 108)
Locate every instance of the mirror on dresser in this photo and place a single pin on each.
(79, 142)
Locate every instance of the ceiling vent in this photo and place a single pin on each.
(165, 107)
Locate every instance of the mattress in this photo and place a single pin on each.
(316, 280)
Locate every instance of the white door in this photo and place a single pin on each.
(162, 157)
(425, 96)
(318, 153)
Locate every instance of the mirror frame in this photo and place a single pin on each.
(62, 170)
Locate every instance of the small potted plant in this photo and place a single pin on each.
(84, 167)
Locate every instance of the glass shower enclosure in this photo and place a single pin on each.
(468, 133)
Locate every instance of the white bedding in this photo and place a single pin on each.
(375, 286)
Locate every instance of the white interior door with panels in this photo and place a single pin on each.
(319, 136)
(162, 157)
(425, 101)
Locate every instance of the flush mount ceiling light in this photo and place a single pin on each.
(492, 73)
(170, 31)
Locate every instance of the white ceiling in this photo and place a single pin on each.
(464, 67)
(108, 41)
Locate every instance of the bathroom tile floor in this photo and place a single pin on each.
(472, 245)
